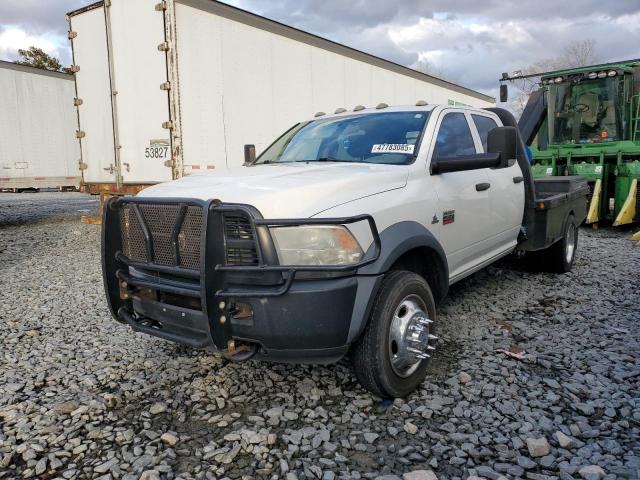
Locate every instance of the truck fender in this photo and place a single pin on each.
(396, 240)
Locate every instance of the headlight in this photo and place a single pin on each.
(316, 245)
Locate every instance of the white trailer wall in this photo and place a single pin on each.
(37, 125)
(230, 78)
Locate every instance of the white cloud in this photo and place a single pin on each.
(631, 22)
(14, 38)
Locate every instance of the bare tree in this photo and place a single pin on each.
(579, 54)
(576, 54)
(425, 66)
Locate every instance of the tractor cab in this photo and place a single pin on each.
(586, 110)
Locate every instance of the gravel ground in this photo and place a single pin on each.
(16, 209)
(83, 397)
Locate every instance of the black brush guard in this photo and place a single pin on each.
(215, 284)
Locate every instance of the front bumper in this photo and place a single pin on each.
(221, 306)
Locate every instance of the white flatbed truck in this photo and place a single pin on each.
(339, 239)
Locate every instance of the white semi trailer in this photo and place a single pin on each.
(37, 121)
(174, 87)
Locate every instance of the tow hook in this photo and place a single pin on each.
(239, 353)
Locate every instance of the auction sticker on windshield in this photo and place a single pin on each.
(392, 148)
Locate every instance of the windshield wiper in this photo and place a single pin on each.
(321, 159)
(329, 159)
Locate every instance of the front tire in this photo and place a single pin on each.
(391, 357)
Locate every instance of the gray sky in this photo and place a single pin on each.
(470, 41)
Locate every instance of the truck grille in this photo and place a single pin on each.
(161, 220)
(240, 237)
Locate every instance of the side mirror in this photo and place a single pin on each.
(504, 141)
(504, 92)
(249, 154)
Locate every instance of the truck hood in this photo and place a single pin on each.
(288, 189)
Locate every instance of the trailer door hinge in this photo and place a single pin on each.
(168, 125)
(74, 68)
(163, 47)
(107, 3)
(80, 134)
(161, 6)
(72, 35)
(165, 86)
(77, 102)
(168, 163)
(83, 166)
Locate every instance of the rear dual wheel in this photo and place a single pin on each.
(560, 256)
(390, 359)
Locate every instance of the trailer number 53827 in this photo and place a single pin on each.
(156, 152)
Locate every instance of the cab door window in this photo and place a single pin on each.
(484, 126)
(454, 137)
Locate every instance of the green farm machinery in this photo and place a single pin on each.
(586, 121)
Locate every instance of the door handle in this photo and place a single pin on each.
(482, 186)
(518, 179)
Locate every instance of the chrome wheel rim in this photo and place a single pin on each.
(570, 245)
(411, 307)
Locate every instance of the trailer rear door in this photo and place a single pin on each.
(139, 68)
(94, 90)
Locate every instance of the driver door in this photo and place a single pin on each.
(464, 213)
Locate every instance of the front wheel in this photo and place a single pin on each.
(390, 358)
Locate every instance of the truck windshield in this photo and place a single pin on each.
(586, 112)
(390, 138)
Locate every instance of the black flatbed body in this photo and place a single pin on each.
(555, 199)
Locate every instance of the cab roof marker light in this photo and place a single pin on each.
(558, 79)
(380, 106)
(319, 114)
(357, 108)
(340, 110)
(593, 75)
(602, 74)
(612, 73)
(421, 103)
